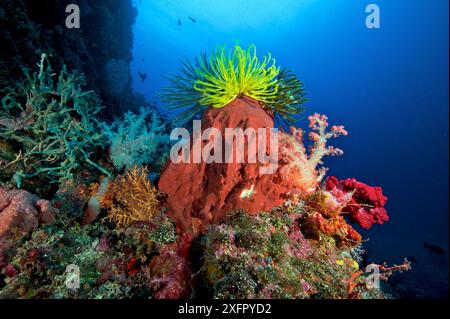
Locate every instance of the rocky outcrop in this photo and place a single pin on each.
(104, 40)
(24, 211)
(20, 213)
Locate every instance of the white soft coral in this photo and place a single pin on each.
(301, 167)
(133, 140)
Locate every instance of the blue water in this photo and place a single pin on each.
(388, 86)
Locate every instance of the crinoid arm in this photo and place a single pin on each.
(290, 99)
(217, 80)
(180, 94)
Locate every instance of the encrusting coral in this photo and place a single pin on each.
(224, 76)
(267, 256)
(51, 125)
(323, 218)
(134, 199)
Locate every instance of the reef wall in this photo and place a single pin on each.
(101, 48)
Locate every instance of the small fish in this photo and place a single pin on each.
(192, 19)
(143, 59)
(179, 22)
(434, 249)
(247, 193)
(143, 76)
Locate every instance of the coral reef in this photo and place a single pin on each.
(22, 212)
(112, 264)
(220, 186)
(357, 283)
(267, 256)
(216, 229)
(171, 270)
(324, 218)
(50, 123)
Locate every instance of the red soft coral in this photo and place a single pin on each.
(20, 213)
(366, 206)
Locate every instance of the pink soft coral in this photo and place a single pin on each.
(366, 206)
(302, 166)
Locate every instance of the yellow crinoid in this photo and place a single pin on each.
(217, 79)
(226, 75)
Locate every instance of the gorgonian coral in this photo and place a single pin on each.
(225, 76)
(50, 122)
(134, 199)
(302, 166)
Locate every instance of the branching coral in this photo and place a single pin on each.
(224, 76)
(135, 199)
(302, 166)
(133, 141)
(51, 125)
